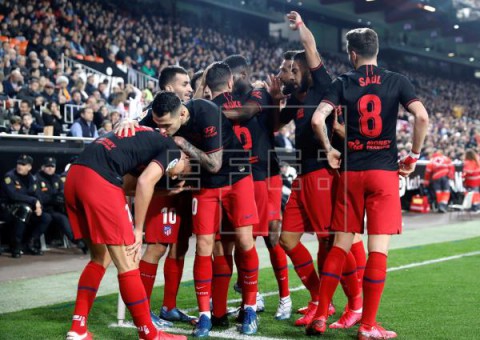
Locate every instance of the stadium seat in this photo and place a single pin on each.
(79, 57)
(89, 58)
(99, 60)
(23, 47)
(4, 38)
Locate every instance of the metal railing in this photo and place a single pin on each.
(41, 138)
(140, 79)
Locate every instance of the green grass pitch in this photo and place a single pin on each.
(435, 301)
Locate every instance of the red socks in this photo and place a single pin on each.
(222, 273)
(87, 290)
(322, 253)
(303, 264)
(332, 271)
(350, 283)
(373, 283)
(278, 258)
(202, 275)
(249, 268)
(148, 273)
(135, 298)
(358, 252)
(172, 272)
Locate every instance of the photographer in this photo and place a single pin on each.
(50, 193)
(19, 192)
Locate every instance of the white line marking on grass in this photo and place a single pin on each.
(232, 332)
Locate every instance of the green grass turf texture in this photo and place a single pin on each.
(436, 301)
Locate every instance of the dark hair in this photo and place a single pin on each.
(364, 41)
(194, 79)
(288, 55)
(301, 58)
(26, 102)
(15, 120)
(167, 75)
(217, 76)
(165, 103)
(237, 63)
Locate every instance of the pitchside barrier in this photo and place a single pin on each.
(65, 148)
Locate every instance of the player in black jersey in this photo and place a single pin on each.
(205, 135)
(99, 214)
(174, 79)
(371, 96)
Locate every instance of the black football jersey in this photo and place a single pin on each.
(371, 96)
(112, 156)
(253, 137)
(209, 130)
(311, 153)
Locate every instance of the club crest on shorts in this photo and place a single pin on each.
(167, 230)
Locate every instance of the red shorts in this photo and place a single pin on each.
(238, 201)
(274, 187)
(168, 218)
(309, 208)
(374, 192)
(97, 209)
(261, 200)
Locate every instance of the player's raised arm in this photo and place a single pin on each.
(307, 39)
(320, 128)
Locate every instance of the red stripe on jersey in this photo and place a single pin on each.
(328, 102)
(160, 165)
(412, 101)
(316, 68)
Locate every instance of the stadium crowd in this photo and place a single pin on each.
(36, 90)
(149, 44)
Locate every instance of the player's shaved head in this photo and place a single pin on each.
(363, 41)
(168, 75)
(166, 103)
(218, 76)
(195, 78)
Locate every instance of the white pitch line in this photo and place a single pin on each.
(232, 333)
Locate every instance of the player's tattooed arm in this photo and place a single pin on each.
(307, 39)
(212, 162)
(319, 127)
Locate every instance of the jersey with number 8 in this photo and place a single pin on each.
(371, 96)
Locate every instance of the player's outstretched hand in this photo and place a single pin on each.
(180, 187)
(295, 20)
(136, 248)
(273, 85)
(334, 158)
(125, 128)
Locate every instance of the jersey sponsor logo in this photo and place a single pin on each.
(370, 80)
(210, 131)
(300, 113)
(167, 230)
(379, 144)
(355, 145)
(248, 216)
(107, 143)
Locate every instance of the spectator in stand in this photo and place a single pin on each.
(29, 127)
(49, 93)
(107, 126)
(52, 117)
(26, 107)
(114, 117)
(15, 125)
(80, 87)
(31, 92)
(62, 83)
(471, 177)
(13, 84)
(84, 126)
(90, 87)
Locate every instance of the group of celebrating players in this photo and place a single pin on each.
(207, 166)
